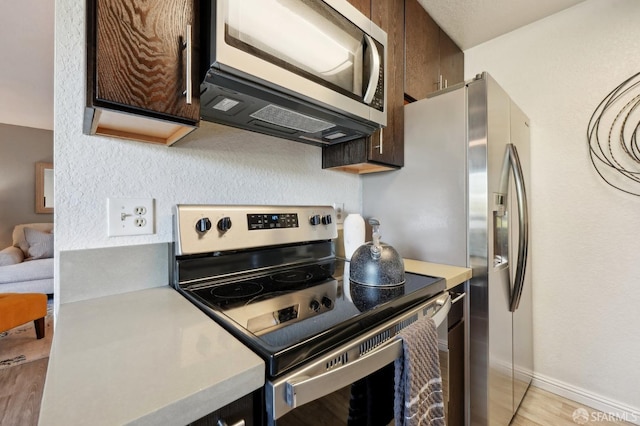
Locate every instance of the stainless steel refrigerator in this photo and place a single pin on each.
(461, 199)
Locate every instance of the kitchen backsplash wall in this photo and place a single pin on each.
(215, 164)
(90, 273)
(585, 239)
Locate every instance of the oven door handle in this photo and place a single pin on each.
(303, 389)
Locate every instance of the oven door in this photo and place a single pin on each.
(322, 49)
(320, 392)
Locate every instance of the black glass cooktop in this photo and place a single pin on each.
(251, 290)
(299, 313)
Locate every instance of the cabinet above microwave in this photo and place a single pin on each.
(311, 71)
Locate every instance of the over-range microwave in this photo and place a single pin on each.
(307, 70)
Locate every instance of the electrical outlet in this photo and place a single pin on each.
(130, 216)
(339, 208)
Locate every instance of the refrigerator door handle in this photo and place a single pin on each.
(512, 162)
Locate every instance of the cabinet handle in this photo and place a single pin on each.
(458, 297)
(188, 90)
(238, 423)
(440, 82)
(380, 142)
(446, 84)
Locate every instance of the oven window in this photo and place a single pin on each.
(367, 402)
(333, 409)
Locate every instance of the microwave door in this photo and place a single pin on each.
(305, 62)
(303, 37)
(306, 47)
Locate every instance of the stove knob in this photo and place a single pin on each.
(326, 302)
(203, 225)
(314, 220)
(314, 305)
(326, 220)
(224, 224)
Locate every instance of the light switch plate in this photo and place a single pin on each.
(130, 216)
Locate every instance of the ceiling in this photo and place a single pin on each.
(27, 48)
(472, 22)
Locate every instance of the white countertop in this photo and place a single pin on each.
(453, 275)
(144, 357)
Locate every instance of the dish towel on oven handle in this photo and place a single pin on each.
(418, 383)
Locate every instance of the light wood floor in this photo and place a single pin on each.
(21, 389)
(21, 392)
(539, 408)
(543, 408)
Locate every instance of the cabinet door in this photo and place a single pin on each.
(140, 57)
(422, 52)
(451, 61)
(388, 147)
(364, 6)
(247, 409)
(369, 155)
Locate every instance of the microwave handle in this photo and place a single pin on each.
(374, 72)
(300, 390)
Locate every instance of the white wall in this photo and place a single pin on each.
(585, 234)
(216, 164)
(20, 149)
(26, 74)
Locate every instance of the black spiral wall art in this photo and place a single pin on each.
(613, 134)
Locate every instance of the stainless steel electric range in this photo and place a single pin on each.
(270, 276)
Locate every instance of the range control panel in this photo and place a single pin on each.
(213, 228)
(272, 220)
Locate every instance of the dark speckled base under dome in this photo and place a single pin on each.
(366, 297)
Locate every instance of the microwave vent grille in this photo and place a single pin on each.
(290, 119)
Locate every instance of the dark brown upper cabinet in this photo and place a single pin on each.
(364, 6)
(432, 60)
(451, 61)
(384, 150)
(142, 69)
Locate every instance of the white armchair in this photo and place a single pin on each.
(27, 265)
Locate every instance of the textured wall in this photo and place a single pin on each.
(585, 234)
(20, 149)
(216, 164)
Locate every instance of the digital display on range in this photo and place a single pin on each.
(272, 221)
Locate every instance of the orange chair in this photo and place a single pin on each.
(20, 308)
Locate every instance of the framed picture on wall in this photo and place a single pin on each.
(44, 187)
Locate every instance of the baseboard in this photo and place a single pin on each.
(609, 409)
